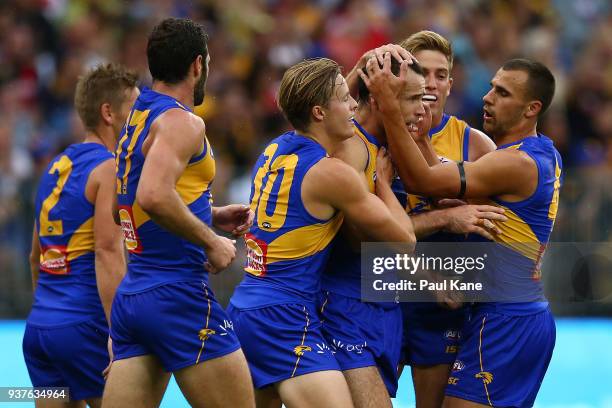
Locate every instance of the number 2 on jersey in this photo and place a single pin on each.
(63, 167)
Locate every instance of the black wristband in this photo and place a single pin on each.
(461, 179)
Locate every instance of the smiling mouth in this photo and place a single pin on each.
(412, 127)
(429, 98)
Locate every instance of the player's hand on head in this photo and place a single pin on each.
(383, 84)
(234, 218)
(398, 52)
(384, 167)
(220, 254)
(478, 219)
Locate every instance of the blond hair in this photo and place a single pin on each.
(105, 83)
(429, 40)
(304, 85)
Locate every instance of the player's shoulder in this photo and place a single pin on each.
(353, 152)
(179, 118)
(332, 176)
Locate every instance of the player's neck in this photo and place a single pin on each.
(437, 120)
(516, 134)
(105, 137)
(371, 124)
(182, 92)
(321, 137)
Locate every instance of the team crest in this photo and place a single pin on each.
(299, 350)
(204, 334)
(486, 376)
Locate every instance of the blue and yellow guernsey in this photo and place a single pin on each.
(67, 292)
(343, 271)
(287, 247)
(156, 256)
(516, 264)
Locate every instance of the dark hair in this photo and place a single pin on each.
(173, 46)
(364, 92)
(540, 81)
(106, 83)
(304, 85)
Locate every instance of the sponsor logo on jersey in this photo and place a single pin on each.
(256, 255)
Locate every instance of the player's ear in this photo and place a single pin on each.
(198, 66)
(450, 85)
(318, 113)
(106, 113)
(533, 109)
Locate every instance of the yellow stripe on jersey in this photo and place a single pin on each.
(518, 235)
(303, 242)
(138, 119)
(195, 179)
(554, 203)
(82, 240)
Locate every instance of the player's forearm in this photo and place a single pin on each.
(427, 150)
(352, 78)
(428, 223)
(413, 169)
(384, 192)
(170, 212)
(110, 269)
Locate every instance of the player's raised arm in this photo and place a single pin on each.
(477, 179)
(108, 240)
(334, 183)
(166, 160)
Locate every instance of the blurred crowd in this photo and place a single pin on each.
(46, 44)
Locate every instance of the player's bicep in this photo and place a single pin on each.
(498, 172)
(177, 136)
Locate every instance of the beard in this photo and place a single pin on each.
(199, 91)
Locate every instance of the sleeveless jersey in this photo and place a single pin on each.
(343, 271)
(157, 256)
(522, 242)
(287, 247)
(67, 292)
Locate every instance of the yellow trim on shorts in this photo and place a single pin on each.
(302, 343)
(480, 355)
